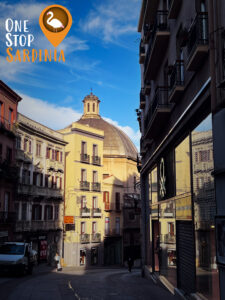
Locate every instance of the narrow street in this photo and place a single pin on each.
(82, 284)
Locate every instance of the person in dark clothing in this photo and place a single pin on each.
(130, 263)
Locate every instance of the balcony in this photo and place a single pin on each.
(96, 212)
(96, 186)
(84, 158)
(158, 113)
(147, 87)
(168, 238)
(85, 238)
(141, 53)
(108, 207)
(96, 160)
(7, 217)
(37, 191)
(157, 45)
(85, 212)
(198, 43)
(142, 99)
(96, 238)
(36, 225)
(113, 232)
(174, 8)
(176, 81)
(84, 185)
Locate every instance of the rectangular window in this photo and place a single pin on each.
(61, 155)
(48, 150)
(95, 202)
(117, 225)
(95, 176)
(25, 141)
(24, 211)
(18, 142)
(10, 116)
(94, 227)
(30, 144)
(117, 201)
(106, 200)
(34, 178)
(107, 225)
(95, 150)
(82, 228)
(36, 212)
(48, 212)
(60, 183)
(8, 154)
(53, 154)
(38, 149)
(83, 147)
(57, 212)
(57, 155)
(46, 180)
(83, 175)
(83, 202)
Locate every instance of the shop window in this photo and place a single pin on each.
(82, 257)
(182, 165)
(207, 278)
(94, 256)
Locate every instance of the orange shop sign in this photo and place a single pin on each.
(68, 219)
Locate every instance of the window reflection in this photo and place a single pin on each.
(204, 210)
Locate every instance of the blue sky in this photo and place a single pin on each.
(101, 53)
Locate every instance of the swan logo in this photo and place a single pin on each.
(55, 22)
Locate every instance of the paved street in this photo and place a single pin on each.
(70, 284)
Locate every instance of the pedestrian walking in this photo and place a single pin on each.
(57, 259)
(130, 263)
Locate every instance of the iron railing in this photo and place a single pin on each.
(84, 185)
(84, 238)
(160, 99)
(198, 33)
(161, 24)
(96, 238)
(96, 186)
(176, 77)
(96, 160)
(84, 158)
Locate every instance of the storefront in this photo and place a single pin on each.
(182, 214)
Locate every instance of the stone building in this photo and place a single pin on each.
(182, 120)
(8, 172)
(116, 169)
(40, 157)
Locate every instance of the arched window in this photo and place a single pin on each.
(93, 107)
(88, 107)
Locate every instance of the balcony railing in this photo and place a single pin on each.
(142, 99)
(28, 189)
(85, 212)
(96, 212)
(176, 81)
(85, 158)
(84, 185)
(96, 160)
(158, 112)
(96, 238)
(38, 225)
(197, 44)
(7, 217)
(85, 238)
(168, 238)
(141, 53)
(96, 186)
(157, 44)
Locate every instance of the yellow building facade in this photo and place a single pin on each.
(100, 169)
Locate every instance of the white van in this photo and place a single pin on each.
(16, 257)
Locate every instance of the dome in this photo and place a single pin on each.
(116, 142)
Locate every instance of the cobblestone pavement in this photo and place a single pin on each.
(81, 284)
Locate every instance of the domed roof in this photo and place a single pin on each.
(116, 142)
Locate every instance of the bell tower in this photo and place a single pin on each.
(91, 107)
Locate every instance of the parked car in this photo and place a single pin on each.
(17, 257)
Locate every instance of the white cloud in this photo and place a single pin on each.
(51, 115)
(112, 19)
(58, 117)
